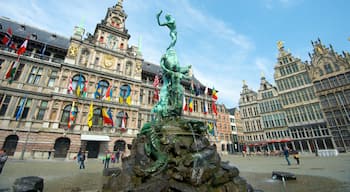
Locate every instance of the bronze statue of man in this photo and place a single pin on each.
(170, 23)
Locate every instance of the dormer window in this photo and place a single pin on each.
(34, 36)
(23, 28)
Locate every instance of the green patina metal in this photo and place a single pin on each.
(171, 97)
(171, 93)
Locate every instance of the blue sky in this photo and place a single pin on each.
(225, 41)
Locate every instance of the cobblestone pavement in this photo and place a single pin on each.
(313, 174)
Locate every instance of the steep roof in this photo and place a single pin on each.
(34, 33)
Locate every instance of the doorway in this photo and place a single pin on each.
(93, 148)
(10, 144)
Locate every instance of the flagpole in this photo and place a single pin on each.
(28, 133)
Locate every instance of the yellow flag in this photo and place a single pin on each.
(90, 115)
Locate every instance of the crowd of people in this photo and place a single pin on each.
(107, 159)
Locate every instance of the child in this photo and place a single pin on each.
(296, 156)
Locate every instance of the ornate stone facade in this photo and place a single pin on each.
(77, 70)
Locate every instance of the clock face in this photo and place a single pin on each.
(116, 22)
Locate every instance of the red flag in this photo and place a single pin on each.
(156, 91)
(214, 108)
(22, 48)
(8, 37)
(70, 86)
(107, 116)
(184, 104)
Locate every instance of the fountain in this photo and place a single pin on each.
(172, 153)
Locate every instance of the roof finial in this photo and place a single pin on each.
(280, 45)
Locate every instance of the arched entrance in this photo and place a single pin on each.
(61, 147)
(10, 144)
(119, 145)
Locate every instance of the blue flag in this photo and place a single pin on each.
(98, 91)
(21, 107)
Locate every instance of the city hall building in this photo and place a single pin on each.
(49, 93)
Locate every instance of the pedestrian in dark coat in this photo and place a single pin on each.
(3, 159)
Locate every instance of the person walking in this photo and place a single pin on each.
(78, 155)
(3, 159)
(296, 156)
(107, 159)
(82, 160)
(117, 155)
(286, 154)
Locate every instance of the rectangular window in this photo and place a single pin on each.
(141, 96)
(42, 109)
(4, 102)
(150, 96)
(52, 79)
(97, 61)
(35, 75)
(24, 113)
(195, 106)
(18, 72)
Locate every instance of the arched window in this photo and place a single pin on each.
(10, 144)
(66, 112)
(103, 86)
(97, 117)
(76, 80)
(124, 94)
(122, 120)
(61, 147)
(119, 145)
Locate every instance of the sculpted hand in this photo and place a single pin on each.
(160, 12)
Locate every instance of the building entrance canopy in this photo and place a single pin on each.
(95, 138)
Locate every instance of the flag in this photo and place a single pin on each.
(184, 105)
(85, 89)
(107, 116)
(43, 49)
(108, 94)
(124, 95)
(70, 86)
(90, 115)
(205, 108)
(7, 39)
(190, 105)
(214, 108)
(12, 70)
(156, 91)
(214, 95)
(206, 91)
(211, 130)
(97, 93)
(22, 48)
(78, 88)
(72, 115)
(20, 110)
(123, 124)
